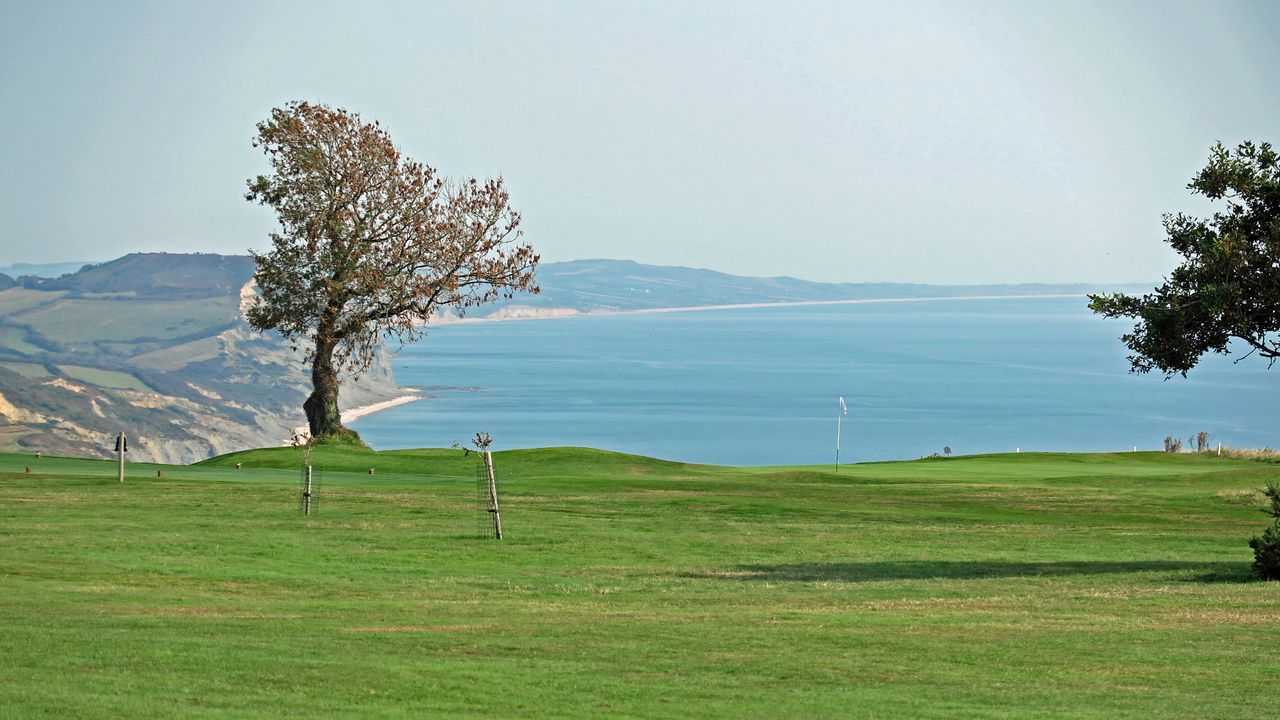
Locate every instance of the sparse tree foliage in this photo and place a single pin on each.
(1228, 286)
(370, 244)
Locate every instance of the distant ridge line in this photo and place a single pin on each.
(625, 285)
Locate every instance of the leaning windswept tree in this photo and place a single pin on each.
(370, 245)
(1228, 286)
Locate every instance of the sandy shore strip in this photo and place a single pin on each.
(561, 313)
(359, 412)
(812, 303)
(302, 432)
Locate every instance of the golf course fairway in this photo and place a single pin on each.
(1006, 586)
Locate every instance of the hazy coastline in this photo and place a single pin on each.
(560, 313)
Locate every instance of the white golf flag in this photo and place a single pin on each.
(844, 410)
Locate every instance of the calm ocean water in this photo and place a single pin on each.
(759, 386)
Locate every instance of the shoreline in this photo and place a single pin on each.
(353, 414)
(813, 303)
(356, 413)
(563, 313)
(302, 432)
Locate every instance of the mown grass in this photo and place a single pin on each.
(1032, 585)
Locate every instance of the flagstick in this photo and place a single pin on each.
(838, 442)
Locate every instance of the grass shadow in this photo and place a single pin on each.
(855, 572)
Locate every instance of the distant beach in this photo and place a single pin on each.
(816, 303)
(530, 313)
(355, 413)
(363, 410)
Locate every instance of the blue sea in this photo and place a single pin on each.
(759, 386)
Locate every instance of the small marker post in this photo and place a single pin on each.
(122, 447)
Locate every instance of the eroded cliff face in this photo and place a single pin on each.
(179, 397)
(248, 395)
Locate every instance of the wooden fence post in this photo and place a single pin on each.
(306, 494)
(493, 495)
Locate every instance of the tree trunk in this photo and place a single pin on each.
(322, 406)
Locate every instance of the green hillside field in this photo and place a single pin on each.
(1009, 586)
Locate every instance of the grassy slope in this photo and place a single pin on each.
(104, 378)
(1003, 586)
(80, 322)
(28, 370)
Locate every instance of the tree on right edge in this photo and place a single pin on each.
(1227, 287)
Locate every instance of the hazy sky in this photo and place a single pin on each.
(893, 141)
